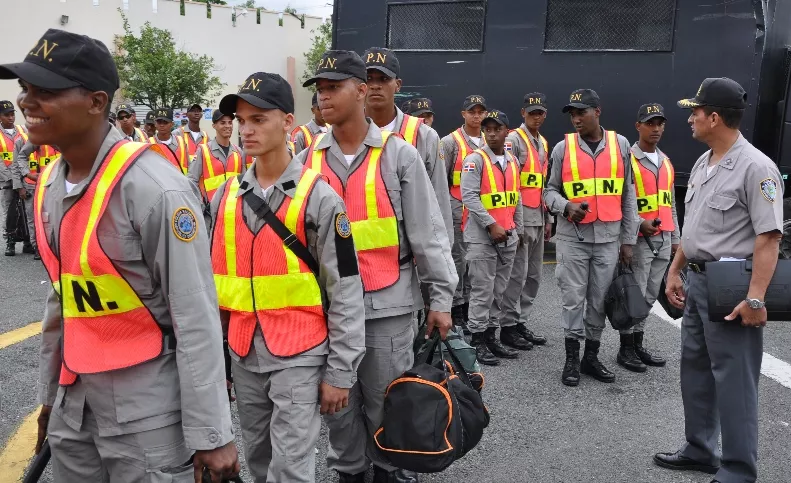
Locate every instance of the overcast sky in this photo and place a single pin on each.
(319, 8)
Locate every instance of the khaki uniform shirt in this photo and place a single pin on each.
(726, 211)
(421, 230)
(675, 235)
(530, 216)
(174, 279)
(342, 290)
(299, 137)
(449, 150)
(624, 230)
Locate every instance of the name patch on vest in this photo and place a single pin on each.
(185, 225)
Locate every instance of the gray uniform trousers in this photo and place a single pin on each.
(525, 278)
(459, 253)
(29, 206)
(489, 278)
(584, 272)
(155, 456)
(6, 196)
(280, 421)
(720, 369)
(649, 271)
(388, 353)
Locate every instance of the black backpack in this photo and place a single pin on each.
(671, 310)
(432, 417)
(625, 303)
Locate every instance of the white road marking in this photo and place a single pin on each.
(771, 366)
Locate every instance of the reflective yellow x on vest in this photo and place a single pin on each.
(654, 195)
(531, 179)
(214, 173)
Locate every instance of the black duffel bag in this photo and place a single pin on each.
(431, 416)
(673, 311)
(625, 303)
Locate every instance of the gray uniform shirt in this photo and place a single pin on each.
(741, 199)
(624, 230)
(343, 295)
(530, 216)
(675, 235)
(421, 230)
(299, 137)
(6, 172)
(449, 150)
(195, 170)
(174, 279)
(479, 218)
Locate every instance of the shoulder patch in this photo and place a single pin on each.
(184, 223)
(343, 226)
(769, 189)
(509, 146)
(468, 167)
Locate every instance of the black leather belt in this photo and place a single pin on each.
(697, 267)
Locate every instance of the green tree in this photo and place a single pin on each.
(248, 4)
(154, 73)
(215, 2)
(321, 42)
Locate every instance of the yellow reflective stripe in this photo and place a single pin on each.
(23, 134)
(289, 290)
(376, 233)
(669, 173)
(292, 146)
(234, 293)
(229, 220)
(39, 203)
(237, 165)
(110, 289)
(213, 183)
(498, 199)
(102, 187)
(456, 178)
(292, 215)
(530, 156)
(315, 159)
(183, 155)
(571, 145)
(3, 145)
(665, 198)
(410, 133)
(638, 177)
(207, 162)
(531, 180)
(370, 179)
(647, 204)
(307, 134)
(609, 186)
(577, 189)
(611, 142)
(544, 142)
(489, 170)
(514, 171)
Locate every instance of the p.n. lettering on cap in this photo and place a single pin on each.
(328, 63)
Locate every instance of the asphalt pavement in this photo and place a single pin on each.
(540, 430)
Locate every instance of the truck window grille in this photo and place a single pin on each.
(436, 26)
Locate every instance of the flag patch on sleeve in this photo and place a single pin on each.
(468, 167)
(509, 146)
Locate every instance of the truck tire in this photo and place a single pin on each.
(785, 243)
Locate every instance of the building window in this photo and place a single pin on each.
(436, 26)
(595, 25)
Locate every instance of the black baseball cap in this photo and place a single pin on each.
(217, 115)
(61, 60)
(650, 111)
(472, 101)
(717, 92)
(383, 60)
(6, 107)
(314, 101)
(195, 106)
(124, 108)
(535, 101)
(263, 90)
(163, 114)
(582, 99)
(339, 65)
(496, 115)
(421, 105)
(150, 117)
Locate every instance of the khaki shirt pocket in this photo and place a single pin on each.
(713, 218)
(393, 185)
(126, 254)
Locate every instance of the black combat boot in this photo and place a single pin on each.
(626, 356)
(10, 248)
(37, 256)
(510, 337)
(457, 317)
(592, 366)
(396, 476)
(347, 478)
(494, 345)
(482, 352)
(645, 356)
(571, 370)
(529, 336)
(28, 249)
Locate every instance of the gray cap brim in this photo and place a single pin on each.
(36, 75)
(228, 103)
(329, 76)
(575, 105)
(384, 70)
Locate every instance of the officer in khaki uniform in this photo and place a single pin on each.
(537, 222)
(302, 136)
(412, 243)
(8, 137)
(279, 393)
(222, 149)
(734, 208)
(177, 151)
(126, 119)
(149, 125)
(586, 267)
(110, 410)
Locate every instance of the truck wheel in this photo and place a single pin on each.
(785, 243)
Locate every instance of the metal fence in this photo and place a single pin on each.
(436, 26)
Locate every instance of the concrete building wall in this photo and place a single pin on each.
(237, 50)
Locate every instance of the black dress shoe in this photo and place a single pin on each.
(510, 337)
(529, 336)
(482, 352)
(10, 249)
(645, 356)
(571, 370)
(495, 347)
(627, 357)
(347, 478)
(28, 249)
(675, 461)
(592, 366)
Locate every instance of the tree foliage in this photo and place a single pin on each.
(155, 73)
(321, 42)
(215, 2)
(248, 4)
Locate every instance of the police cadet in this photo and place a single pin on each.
(125, 118)
(397, 229)
(176, 151)
(455, 147)
(492, 231)
(296, 353)
(589, 166)
(302, 136)
(131, 334)
(191, 132)
(420, 107)
(531, 151)
(9, 133)
(383, 83)
(149, 126)
(653, 175)
(217, 161)
(733, 208)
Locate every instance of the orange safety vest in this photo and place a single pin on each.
(189, 142)
(180, 160)
(599, 181)
(7, 148)
(499, 190)
(531, 179)
(463, 148)
(214, 173)
(371, 213)
(259, 278)
(655, 195)
(141, 135)
(105, 324)
(305, 131)
(410, 126)
(248, 161)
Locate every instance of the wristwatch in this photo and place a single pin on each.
(755, 304)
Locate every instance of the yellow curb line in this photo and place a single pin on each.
(19, 450)
(18, 335)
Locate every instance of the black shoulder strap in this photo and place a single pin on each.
(262, 209)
